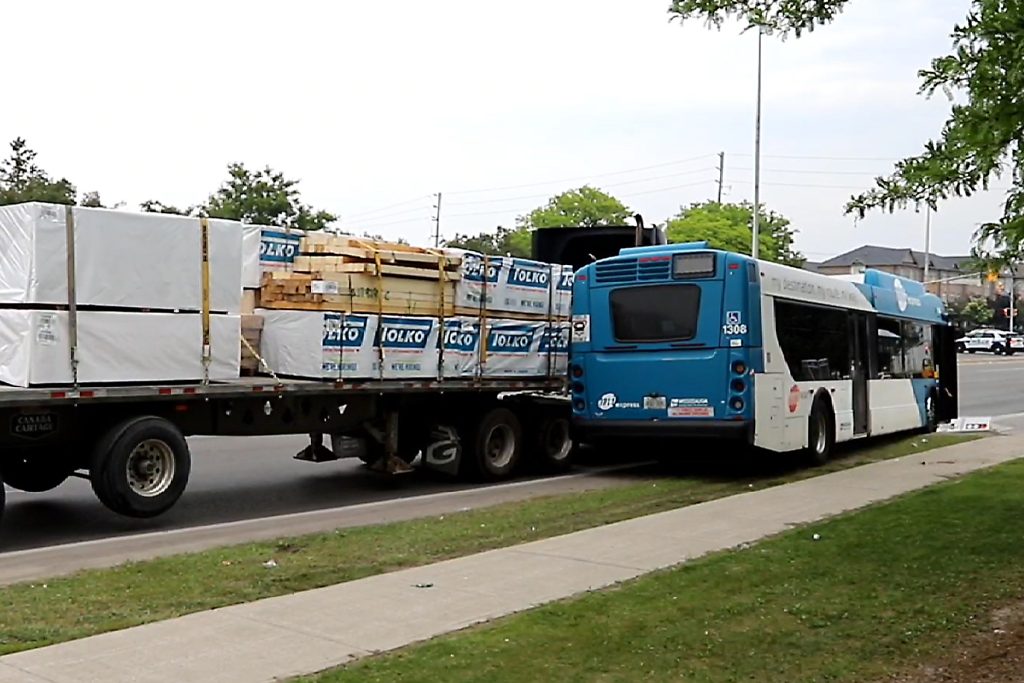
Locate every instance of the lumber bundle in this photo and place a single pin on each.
(352, 275)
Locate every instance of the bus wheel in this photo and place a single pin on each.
(553, 442)
(930, 414)
(36, 471)
(821, 435)
(140, 467)
(494, 447)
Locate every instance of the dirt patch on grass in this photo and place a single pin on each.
(993, 655)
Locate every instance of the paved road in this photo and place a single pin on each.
(248, 478)
(233, 478)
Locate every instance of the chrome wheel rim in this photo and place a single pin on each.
(500, 446)
(150, 468)
(821, 438)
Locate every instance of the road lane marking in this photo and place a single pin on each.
(221, 526)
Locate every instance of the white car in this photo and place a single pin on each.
(994, 341)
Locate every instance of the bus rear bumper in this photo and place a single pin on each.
(593, 430)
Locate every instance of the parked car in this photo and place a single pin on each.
(990, 340)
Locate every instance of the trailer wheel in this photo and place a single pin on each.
(553, 443)
(140, 467)
(495, 447)
(821, 432)
(34, 471)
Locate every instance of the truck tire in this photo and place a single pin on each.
(36, 471)
(821, 432)
(140, 467)
(494, 446)
(552, 441)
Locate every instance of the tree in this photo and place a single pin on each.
(504, 241)
(21, 180)
(974, 313)
(585, 207)
(264, 197)
(155, 206)
(730, 227)
(980, 137)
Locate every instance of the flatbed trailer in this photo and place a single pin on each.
(130, 441)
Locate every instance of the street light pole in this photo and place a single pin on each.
(757, 154)
(927, 240)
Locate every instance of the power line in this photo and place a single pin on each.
(586, 177)
(389, 206)
(626, 182)
(819, 158)
(805, 171)
(631, 194)
(381, 225)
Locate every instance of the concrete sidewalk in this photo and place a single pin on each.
(306, 632)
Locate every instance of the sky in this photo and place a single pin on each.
(374, 107)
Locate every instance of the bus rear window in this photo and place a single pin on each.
(657, 313)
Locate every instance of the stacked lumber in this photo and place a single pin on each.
(351, 275)
(252, 333)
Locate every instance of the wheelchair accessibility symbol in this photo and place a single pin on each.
(732, 318)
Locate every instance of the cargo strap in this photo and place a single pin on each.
(380, 310)
(442, 279)
(204, 228)
(260, 359)
(69, 238)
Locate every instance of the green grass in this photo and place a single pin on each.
(96, 601)
(884, 590)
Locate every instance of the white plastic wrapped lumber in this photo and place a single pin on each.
(115, 347)
(122, 259)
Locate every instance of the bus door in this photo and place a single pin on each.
(944, 340)
(860, 369)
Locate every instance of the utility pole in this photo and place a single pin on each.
(721, 174)
(927, 240)
(757, 153)
(437, 222)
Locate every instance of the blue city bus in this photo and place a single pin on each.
(687, 341)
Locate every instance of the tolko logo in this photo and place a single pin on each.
(511, 340)
(555, 340)
(351, 334)
(566, 279)
(404, 333)
(459, 338)
(473, 268)
(279, 247)
(529, 274)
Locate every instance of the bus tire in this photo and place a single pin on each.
(140, 467)
(494, 446)
(553, 443)
(821, 431)
(931, 416)
(36, 471)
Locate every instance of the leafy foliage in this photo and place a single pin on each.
(773, 16)
(586, 207)
(730, 227)
(974, 313)
(154, 206)
(982, 139)
(503, 242)
(21, 180)
(264, 197)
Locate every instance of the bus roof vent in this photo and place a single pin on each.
(621, 271)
